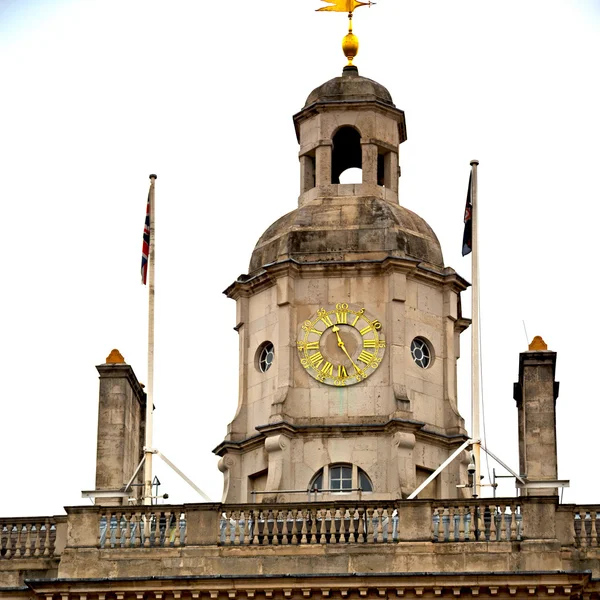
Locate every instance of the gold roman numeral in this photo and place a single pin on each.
(341, 317)
(316, 331)
(313, 345)
(365, 330)
(370, 343)
(342, 371)
(316, 359)
(366, 357)
(327, 369)
(328, 322)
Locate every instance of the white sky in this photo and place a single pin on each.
(98, 95)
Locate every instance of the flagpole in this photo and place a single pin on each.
(476, 436)
(147, 497)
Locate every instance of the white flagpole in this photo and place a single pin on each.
(475, 333)
(147, 498)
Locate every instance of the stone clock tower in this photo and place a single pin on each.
(348, 324)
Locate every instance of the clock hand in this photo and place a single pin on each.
(341, 344)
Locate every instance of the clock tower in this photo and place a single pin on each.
(348, 325)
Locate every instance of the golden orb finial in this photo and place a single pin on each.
(115, 357)
(538, 344)
(350, 43)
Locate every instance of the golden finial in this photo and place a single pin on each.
(115, 357)
(350, 41)
(538, 344)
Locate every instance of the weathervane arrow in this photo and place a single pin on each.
(343, 5)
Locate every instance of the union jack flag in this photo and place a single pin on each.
(468, 233)
(146, 243)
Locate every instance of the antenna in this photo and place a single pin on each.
(526, 336)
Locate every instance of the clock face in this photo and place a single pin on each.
(341, 346)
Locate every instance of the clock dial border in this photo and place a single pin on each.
(364, 362)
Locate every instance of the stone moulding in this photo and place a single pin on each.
(335, 585)
(246, 286)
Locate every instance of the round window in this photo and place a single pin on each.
(266, 354)
(421, 352)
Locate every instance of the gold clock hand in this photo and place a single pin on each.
(341, 344)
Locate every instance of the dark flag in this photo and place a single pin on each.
(146, 243)
(468, 234)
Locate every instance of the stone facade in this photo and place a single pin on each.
(388, 424)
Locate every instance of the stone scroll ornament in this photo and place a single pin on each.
(341, 345)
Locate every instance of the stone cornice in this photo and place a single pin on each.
(558, 584)
(248, 285)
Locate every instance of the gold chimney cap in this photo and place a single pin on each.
(115, 357)
(538, 344)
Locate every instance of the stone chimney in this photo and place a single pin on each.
(121, 429)
(536, 393)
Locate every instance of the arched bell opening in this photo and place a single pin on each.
(346, 152)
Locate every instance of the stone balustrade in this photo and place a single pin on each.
(302, 523)
(306, 523)
(141, 527)
(31, 537)
(586, 525)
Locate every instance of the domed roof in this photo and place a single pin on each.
(360, 228)
(349, 87)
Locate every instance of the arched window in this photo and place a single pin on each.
(340, 478)
(346, 152)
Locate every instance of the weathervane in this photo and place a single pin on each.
(350, 41)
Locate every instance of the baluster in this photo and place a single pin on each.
(27, 552)
(502, 522)
(369, 518)
(573, 527)
(157, 540)
(146, 520)
(594, 531)
(333, 527)
(255, 519)
(46, 538)
(235, 515)
(227, 540)
(178, 522)
(18, 541)
(451, 525)
(118, 530)
(361, 525)
(37, 543)
(285, 528)
(314, 528)
(127, 519)
(583, 532)
(9, 550)
(294, 531)
(520, 523)
(481, 533)
(461, 523)
(303, 530)
(276, 514)
(493, 524)
(470, 512)
(342, 539)
(513, 523)
(352, 526)
(305, 517)
(387, 532)
(264, 514)
(323, 527)
(135, 521)
(247, 540)
(379, 513)
(433, 520)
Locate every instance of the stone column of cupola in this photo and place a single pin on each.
(369, 162)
